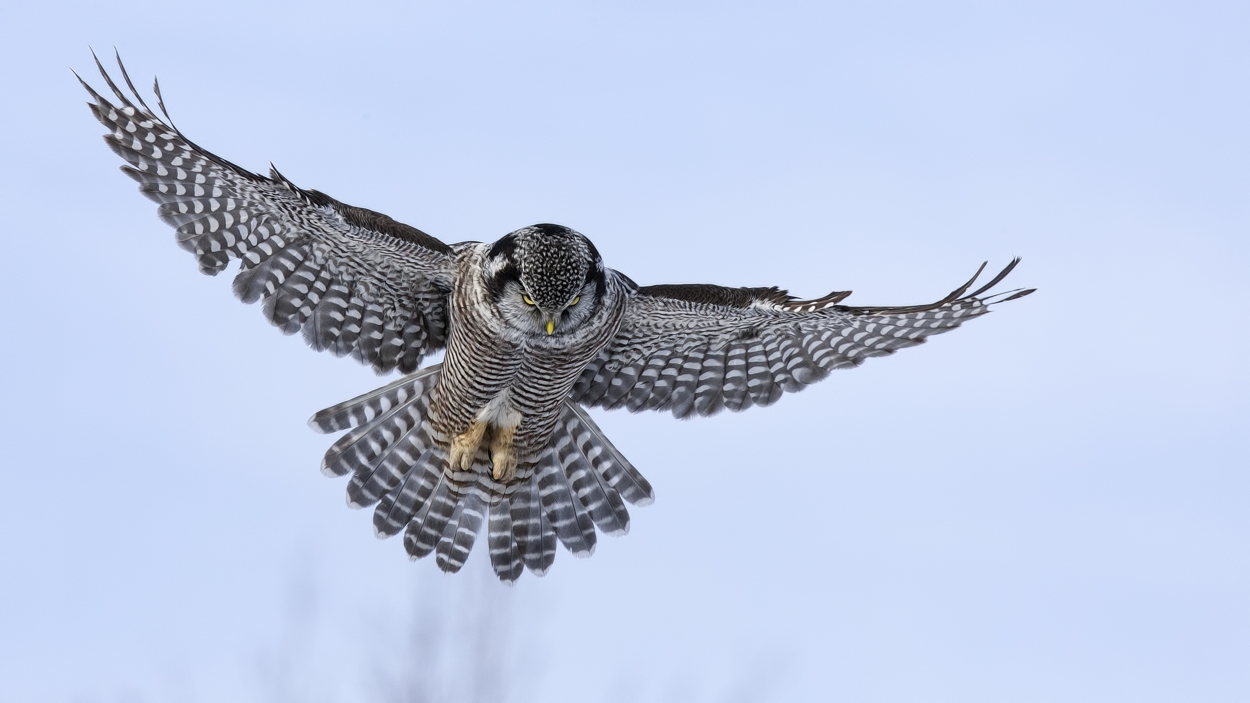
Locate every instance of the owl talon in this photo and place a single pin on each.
(464, 447)
(504, 467)
(502, 455)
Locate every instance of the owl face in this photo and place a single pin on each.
(545, 279)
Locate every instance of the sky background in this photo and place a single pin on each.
(1047, 505)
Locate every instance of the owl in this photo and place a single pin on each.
(535, 327)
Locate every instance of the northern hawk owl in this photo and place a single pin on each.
(535, 328)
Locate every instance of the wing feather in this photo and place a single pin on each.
(735, 389)
(695, 349)
(357, 278)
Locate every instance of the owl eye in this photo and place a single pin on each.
(574, 301)
(528, 300)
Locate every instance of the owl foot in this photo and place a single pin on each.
(464, 447)
(502, 454)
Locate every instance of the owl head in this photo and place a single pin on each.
(545, 279)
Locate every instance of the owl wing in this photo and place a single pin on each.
(353, 280)
(695, 349)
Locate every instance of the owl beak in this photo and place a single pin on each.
(551, 326)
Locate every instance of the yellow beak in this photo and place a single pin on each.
(551, 326)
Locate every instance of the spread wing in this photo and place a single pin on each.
(353, 280)
(695, 349)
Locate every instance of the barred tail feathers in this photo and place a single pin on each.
(579, 482)
(364, 409)
(609, 464)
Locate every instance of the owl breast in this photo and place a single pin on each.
(496, 374)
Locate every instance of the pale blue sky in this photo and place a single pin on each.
(1047, 505)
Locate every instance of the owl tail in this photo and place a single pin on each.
(579, 481)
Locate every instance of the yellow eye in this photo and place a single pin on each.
(528, 300)
(574, 301)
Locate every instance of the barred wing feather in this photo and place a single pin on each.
(353, 280)
(697, 349)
